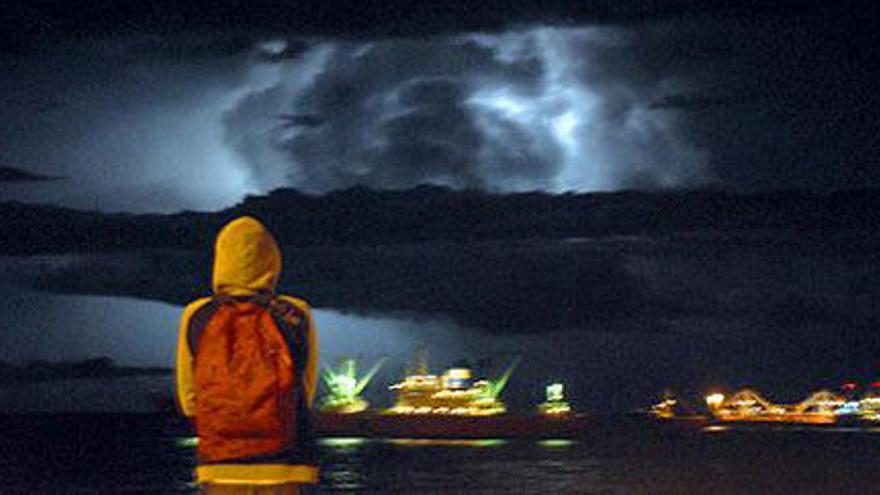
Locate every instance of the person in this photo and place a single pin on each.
(247, 367)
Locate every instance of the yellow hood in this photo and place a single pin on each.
(246, 258)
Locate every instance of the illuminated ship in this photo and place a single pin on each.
(666, 408)
(671, 408)
(748, 405)
(452, 405)
(453, 393)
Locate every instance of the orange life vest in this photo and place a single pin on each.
(246, 383)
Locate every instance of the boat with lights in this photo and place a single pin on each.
(671, 409)
(452, 404)
(821, 408)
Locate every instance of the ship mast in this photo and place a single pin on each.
(421, 360)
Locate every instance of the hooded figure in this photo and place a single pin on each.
(247, 263)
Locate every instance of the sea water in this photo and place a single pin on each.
(149, 453)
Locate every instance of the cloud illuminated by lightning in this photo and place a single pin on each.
(521, 110)
(542, 108)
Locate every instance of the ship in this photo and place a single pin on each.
(671, 409)
(454, 392)
(824, 407)
(747, 405)
(450, 405)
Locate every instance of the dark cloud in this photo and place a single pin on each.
(303, 120)
(37, 20)
(706, 285)
(95, 368)
(12, 174)
(786, 302)
(496, 287)
(618, 318)
(189, 48)
(798, 100)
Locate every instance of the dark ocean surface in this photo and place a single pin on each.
(148, 453)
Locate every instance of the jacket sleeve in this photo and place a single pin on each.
(184, 362)
(310, 380)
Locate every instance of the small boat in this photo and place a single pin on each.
(670, 409)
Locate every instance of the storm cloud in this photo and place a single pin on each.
(537, 109)
(646, 98)
(147, 119)
(12, 174)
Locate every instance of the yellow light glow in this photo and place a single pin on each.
(555, 442)
(714, 400)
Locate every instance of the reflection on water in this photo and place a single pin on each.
(716, 428)
(556, 442)
(341, 442)
(765, 428)
(149, 454)
(446, 442)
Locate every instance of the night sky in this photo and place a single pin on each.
(135, 106)
(160, 107)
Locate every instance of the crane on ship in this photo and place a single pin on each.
(344, 387)
(821, 402)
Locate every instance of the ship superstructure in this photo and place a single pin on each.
(455, 392)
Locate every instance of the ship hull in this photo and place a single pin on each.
(373, 425)
(785, 418)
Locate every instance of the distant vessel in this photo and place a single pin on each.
(748, 405)
(555, 405)
(824, 407)
(449, 405)
(670, 408)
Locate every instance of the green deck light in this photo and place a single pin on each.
(497, 386)
(344, 388)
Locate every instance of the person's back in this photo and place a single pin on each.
(247, 369)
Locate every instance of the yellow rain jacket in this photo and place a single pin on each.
(247, 261)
